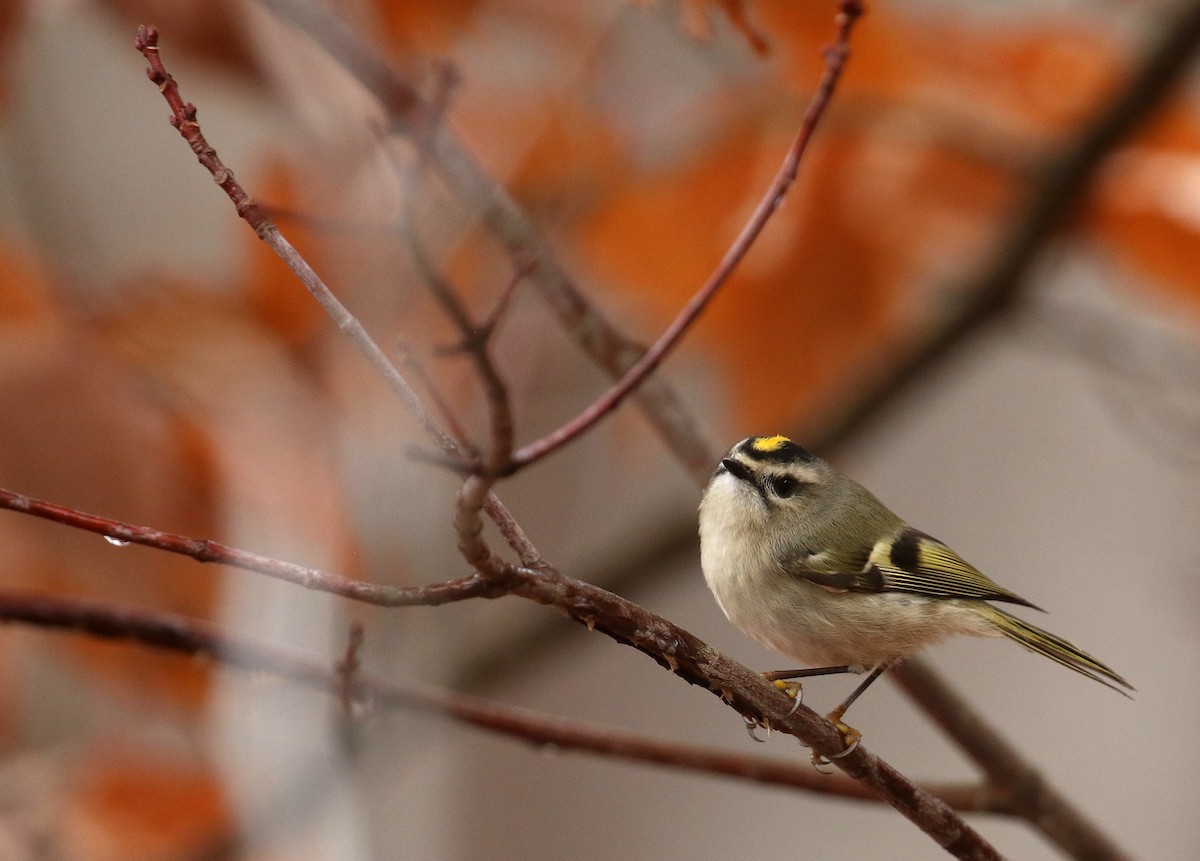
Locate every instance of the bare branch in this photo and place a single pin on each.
(183, 118)
(668, 644)
(174, 632)
(746, 691)
(205, 550)
(835, 62)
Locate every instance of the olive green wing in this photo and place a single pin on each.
(909, 561)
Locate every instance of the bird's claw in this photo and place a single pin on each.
(792, 690)
(850, 736)
(753, 723)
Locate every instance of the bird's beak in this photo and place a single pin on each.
(738, 470)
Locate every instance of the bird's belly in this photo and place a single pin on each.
(819, 627)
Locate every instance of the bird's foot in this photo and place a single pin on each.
(791, 689)
(752, 724)
(849, 735)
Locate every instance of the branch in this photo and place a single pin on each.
(177, 633)
(747, 692)
(671, 646)
(417, 117)
(835, 62)
(205, 550)
(183, 118)
(1027, 791)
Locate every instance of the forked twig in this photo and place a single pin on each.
(413, 115)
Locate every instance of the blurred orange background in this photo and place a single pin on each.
(159, 365)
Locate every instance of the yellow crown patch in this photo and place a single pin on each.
(768, 444)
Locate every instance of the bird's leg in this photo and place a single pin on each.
(849, 734)
(784, 680)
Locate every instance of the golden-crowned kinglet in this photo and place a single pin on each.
(809, 563)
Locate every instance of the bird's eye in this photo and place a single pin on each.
(784, 486)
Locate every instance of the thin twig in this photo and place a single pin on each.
(835, 61)
(487, 327)
(468, 524)
(348, 667)
(205, 550)
(496, 392)
(455, 427)
(183, 118)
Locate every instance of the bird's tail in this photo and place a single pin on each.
(1056, 649)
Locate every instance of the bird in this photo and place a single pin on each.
(810, 564)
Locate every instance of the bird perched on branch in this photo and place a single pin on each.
(809, 563)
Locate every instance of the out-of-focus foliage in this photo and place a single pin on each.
(638, 137)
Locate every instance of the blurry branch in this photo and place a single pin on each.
(174, 632)
(1147, 375)
(418, 118)
(1023, 786)
(1063, 181)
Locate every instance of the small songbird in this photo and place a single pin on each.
(809, 563)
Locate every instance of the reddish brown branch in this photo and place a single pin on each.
(746, 691)
(183, 118)
(205, 550)
(174, 632)
(668, 644)
(835, 62)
